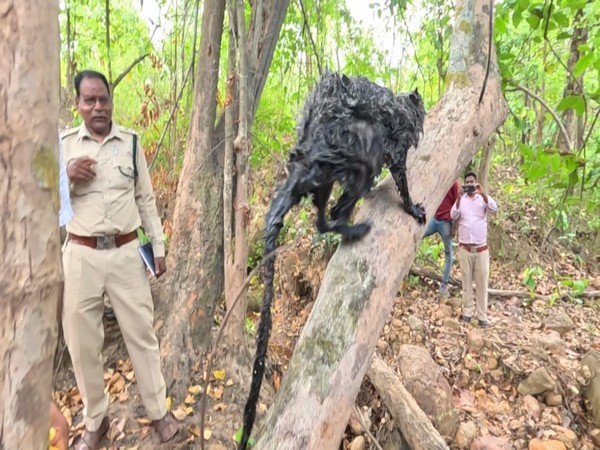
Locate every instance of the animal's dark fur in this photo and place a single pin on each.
(349, 128)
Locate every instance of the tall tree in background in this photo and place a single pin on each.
(194, 281)
(255, 49)
(29, 237)
(196, 257)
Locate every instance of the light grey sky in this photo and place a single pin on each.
(380, 27)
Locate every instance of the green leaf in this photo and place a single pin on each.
(526, 151)
(500, 25)
(533, 21)
(583, 64)
(575, 4)
(575, 102)
(562, 20)
(517, 17)
(237, 437)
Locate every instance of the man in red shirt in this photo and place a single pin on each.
(442, 224)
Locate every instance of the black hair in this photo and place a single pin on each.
(470, 174)
(89, 74)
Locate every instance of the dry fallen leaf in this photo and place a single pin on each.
(219, 374)
(195, 389)
(216, 393)
(179, 413)
(207, 434)
(195, 430)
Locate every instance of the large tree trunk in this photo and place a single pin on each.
(195, 279)
(29, 237)
(313, 404)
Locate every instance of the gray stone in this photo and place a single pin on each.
(415, 323)
(466, 433)
(491, 443)
(537, 382)
(553, 399)
(451, 322)
(475, 340)
(444, 311)
(560, 322)
(425, 381)
(551, 341)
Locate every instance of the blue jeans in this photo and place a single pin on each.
(444, 229)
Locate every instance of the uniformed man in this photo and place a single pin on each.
(111, 197)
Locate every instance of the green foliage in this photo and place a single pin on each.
(237, 437)
(531, 276)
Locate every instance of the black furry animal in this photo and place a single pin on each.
(349, 128)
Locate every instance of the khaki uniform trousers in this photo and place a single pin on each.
(474, 267)
(121, 274)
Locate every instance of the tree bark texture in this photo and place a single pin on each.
(573, 86)
(195, 282)
(238, 269)
(29, 236)
(414, 424)
(487, 152)
(334, 350)
(195, 279)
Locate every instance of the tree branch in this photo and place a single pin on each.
(310, 36)
(553, 113)
(127, 70)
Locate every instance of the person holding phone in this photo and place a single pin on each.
(470, 210)
(442, 224)
(111, 197)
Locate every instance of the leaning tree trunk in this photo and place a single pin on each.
(195, 256)
(313, 404)
(29, 238)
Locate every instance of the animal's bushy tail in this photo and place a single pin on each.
(279, 207)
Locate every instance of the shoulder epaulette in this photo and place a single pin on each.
(128, 131)
(68, 132)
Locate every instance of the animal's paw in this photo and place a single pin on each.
(418, 212)
(356, 232)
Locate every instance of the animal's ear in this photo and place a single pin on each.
(415, 97)
(345, 80)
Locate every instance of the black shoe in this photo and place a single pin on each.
(484, 323)
(466, 319)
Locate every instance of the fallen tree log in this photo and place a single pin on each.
(414, 424)
(331, 357)
(417, 271)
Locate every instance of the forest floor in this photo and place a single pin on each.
(484, 367)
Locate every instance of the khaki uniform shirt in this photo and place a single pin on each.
(114, 202)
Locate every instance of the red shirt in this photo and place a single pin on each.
(443, 211)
